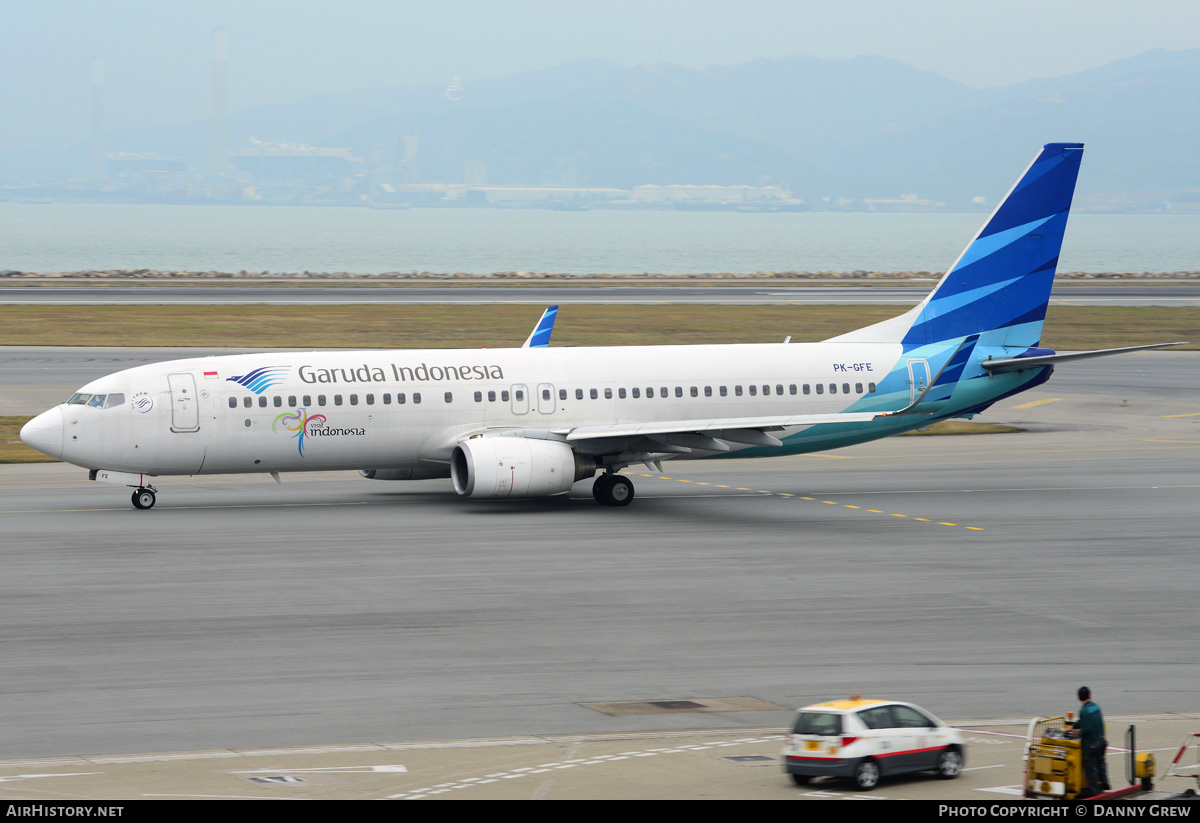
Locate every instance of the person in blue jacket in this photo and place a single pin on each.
(1090, 729)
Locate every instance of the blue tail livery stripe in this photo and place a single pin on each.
(541, 335)
(1001, 282)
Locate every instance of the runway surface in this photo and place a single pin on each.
(981, 576)
(1082, 295)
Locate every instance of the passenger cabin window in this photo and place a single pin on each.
(278, 401)
(592, 394)
(737, 390)
(387, 398)
(491, 397)
(679, 391)
(247, 401)
(416, 397)
(650, 391)
(871, 388)
(724, 391)
(308, 400)
(337, 400)
(262, 402)
(637, 393)
(520, 394)
(708, 391)
(807, 389)
(233, 402)
(449, 397)
(845, 388)
(695, 391)
(753, 390)
(400, 398)
(621, 393)
(504, 396)
(833, 388)
(370, 400)
(877, 718)
(820, 388)
(354, 400)
(608, 394)
(562, 394)
(858, 388)
(320, 400)
(663, 393)
(478, 397)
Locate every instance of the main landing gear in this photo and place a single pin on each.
(613, 490)
(143, 498)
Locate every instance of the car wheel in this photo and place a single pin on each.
(801, 779)
(949, 764)
(866, 775)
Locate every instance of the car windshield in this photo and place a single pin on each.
(819, 723)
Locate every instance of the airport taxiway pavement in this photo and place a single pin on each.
(979, 576)
(726, 764)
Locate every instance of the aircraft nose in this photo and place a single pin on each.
(45, 433)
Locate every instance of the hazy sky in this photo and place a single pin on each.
(157, 53)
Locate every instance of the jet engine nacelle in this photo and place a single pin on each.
(404, 474)
(500, 466)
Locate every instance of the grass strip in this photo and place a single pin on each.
(441, 326)
(961, 427)
(12, 450)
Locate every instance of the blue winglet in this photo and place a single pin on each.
(1001, 282)
(540, 337)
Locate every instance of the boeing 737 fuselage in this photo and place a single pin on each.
(534, 421)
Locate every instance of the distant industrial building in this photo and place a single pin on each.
(296, 163)
(714, 195)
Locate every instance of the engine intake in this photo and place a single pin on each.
(500, 466)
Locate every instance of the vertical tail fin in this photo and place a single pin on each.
(539, 338)
(1000, 284)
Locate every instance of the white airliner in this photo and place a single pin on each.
(535, 420)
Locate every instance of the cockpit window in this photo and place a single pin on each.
(96, 401)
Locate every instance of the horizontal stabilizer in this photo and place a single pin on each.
(1022, 363)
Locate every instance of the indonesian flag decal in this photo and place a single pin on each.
(211, 375)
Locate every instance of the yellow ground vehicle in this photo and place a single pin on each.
(1054, 763)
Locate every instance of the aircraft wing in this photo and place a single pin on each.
(708, 434)
(1022, 363)
(539, 338)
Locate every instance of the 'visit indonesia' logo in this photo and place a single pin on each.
(305, 425)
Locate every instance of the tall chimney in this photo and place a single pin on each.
(96, 166)
(219, 159)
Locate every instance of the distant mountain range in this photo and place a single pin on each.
(862, 127)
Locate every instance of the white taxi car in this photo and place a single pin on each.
(869, 739)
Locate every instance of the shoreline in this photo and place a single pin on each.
(394, 278)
